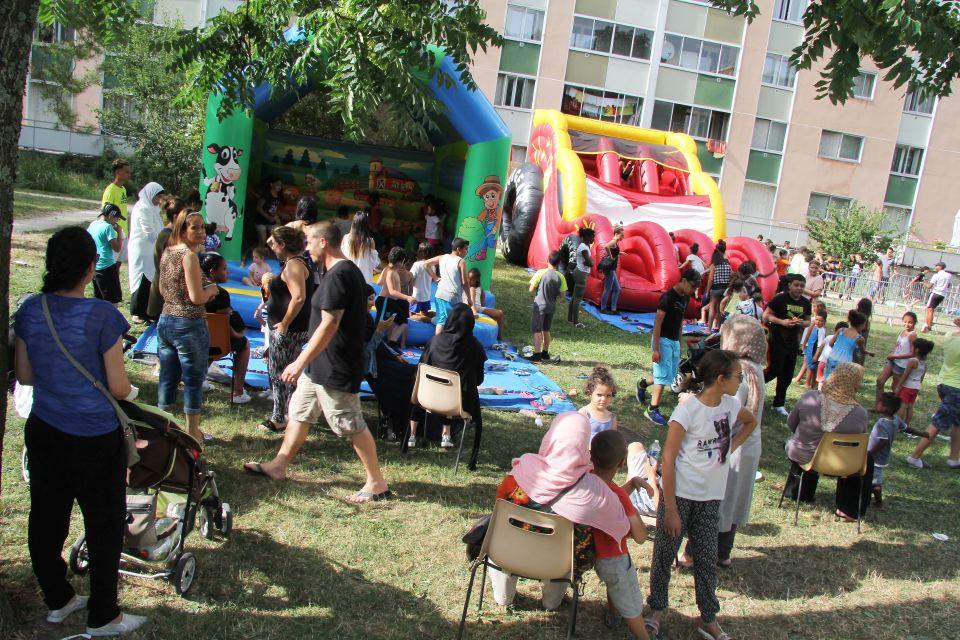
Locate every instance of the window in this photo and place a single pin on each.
(863, 85)
(906, 160)
(524, 23)
(820, 203)
(790, 10)
(778, 71)
(768, 135)
(698, 122)
(41, 106)
(697, 55)
(54, 33)
(514, 91)
(898, 218)
(607, 37)
(601, 105)
(840, 146)
(917, 102)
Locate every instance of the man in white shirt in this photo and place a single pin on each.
(939, 285)
(814, 286)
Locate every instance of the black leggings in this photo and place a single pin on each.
(92, 471)
(783, 360)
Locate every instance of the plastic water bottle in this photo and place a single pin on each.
(655, 450)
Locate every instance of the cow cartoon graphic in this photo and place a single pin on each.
(219, 205)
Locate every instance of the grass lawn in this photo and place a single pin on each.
(30, 206)
(304, 563)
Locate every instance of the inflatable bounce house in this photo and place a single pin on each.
(471, 147)
(589, 172)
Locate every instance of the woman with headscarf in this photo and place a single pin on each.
(562, 465)
(834, 409)
(145, 224)
(456, 349)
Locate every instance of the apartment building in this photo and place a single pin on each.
(680, 65)
(683, 65)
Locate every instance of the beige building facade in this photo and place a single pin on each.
(680, 65)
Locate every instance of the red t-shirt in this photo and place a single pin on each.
(607, 547)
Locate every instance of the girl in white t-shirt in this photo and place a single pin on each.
(695, 462)
(424, 272)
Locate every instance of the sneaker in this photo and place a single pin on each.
(641, 394)
(446, 442)
(782, 411)
(535, 357)
(206, 386)
(76, 603)
(917, 463)
(953, 464)
(580, 325)
(243, 398)
(412, 442)
(653, 415)
(126, 623)
(758, 477)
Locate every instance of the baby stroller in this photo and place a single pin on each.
(686, 379)
(171, 476)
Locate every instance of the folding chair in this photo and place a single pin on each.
(544, 552)
(218, 326)
(838, 455)
(437, 391)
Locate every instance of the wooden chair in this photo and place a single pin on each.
(218, 326)
(437, 391)
(543, 552)
(838, 455)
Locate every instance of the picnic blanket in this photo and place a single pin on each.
(510, 383)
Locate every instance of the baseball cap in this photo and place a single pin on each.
(111, 211)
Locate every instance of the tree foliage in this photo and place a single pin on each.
(846, 231)
(143, 110)
(916, 42)
(361, 54)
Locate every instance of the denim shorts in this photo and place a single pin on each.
(183, 347)
(620, 576)
(666, 370)
(947, 415)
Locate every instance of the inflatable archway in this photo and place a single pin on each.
(581, 171)
(467, 167)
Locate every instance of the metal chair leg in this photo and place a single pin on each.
(466, 602)
(796, 514)
(483, 587)
(860, 505)
(573, 611)
(463, 435)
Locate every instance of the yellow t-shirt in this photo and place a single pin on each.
(950, 371)
(118, 196)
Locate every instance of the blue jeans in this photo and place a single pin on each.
(183, 346)
(611, 290)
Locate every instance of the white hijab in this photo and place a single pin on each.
(145, 224)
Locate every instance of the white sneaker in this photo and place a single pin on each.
(412, 442)
(126, 623)
(758, 477)
(916, 463)
(953, 464)
(446, 442)
(782, 411)
(206, 386)
(243, 398)
(76, 603)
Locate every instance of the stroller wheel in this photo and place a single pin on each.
(677, 383)
(79, 558)
(226, 520)
(205, 516)
(184, 574)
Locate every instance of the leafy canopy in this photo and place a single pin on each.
(360, 54)
(850, 230)
(917, 42)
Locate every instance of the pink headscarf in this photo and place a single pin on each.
(564, 456)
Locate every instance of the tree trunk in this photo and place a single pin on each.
(17, 20)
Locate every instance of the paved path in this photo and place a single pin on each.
(55, 220)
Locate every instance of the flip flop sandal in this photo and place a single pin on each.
(254, 469)
(367, 496)
(270, 426)
(653, 626)
(706, 635)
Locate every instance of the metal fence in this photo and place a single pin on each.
(898, 291)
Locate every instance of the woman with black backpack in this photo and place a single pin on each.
(608, 267)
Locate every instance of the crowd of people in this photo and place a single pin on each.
(323, 342)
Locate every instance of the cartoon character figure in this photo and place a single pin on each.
(481, 232)
(219, 203)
